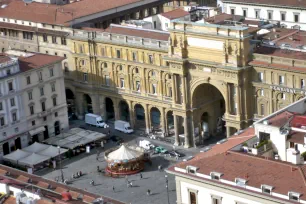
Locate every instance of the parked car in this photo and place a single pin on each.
(147, 145)
(175, 154)
(160, 149)
(116, 139)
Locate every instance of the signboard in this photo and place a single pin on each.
(288, 90)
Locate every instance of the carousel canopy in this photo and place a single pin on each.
(124, 153)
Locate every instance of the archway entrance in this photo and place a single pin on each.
(87, 104)
(18, 143)
(170, 123)
(70, 101)
(155, 118)
(46, 132)
(109, 106)
(6, 148)
(208, 109)
(57, 129)
(124, 111)
(139, 116)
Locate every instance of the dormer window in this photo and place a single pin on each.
(215, 175)
(191, 169)
(294, 196)
(266, 189)
(240, 182)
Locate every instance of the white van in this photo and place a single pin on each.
(147, 145)
(123, 126)
(95, 120)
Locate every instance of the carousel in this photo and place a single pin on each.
(124, 160)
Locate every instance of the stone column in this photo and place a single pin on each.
(176, 130)
(102, 107)
(79, 105)
(147, 119)
(163, 124)
(228, 131)
(173, 90)
(227, 100)
(116, 109)
(132, 115)
(95, 104)
(183, 80)
(186, 132)
(238, 89)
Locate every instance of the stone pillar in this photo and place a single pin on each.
(163, 124)
(186, 132)
(228, 131)
(238, 89)
(173, 90)
(102, 107)
(176, 130)
(116, 109)
(132, 115)
(183, 79)
(79, 105)
(227, 100)
(147, 118)
(95, 104)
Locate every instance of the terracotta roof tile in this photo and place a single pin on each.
(88, 199)
(177, 13)
(280, 52)
(255, 170)
(43, 184)
(2, 172)
(280, 119)
(296, 137)
(219, 19)
(23, 178)
(10, 200)
(60, 190)
(277, 66)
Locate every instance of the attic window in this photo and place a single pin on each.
(240, 182)
(266, 189)
(192, 169)
(215, 175)
(294, 196)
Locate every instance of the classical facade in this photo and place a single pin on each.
(33, 102)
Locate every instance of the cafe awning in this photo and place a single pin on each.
(37, 131)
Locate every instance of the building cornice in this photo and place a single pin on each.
(265, 5)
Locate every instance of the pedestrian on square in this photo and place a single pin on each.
(148, 192)
(140, 175)
(126, 179)
(114, 188)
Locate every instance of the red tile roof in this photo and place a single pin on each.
(4, 58)
(37, 61)
(59, 14)
(280, 119)
(271, 3)
(284, 177)
(131, 31)
(296, 137)
(177, 13)
(270, 51)
(219, 19)
(277, 66)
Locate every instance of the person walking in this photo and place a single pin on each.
(140, 175)
(113, 188)
(148, 192)
(126, 179)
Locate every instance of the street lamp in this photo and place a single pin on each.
(166, 176)
(60, 164)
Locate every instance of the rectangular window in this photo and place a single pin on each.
(33, 123)
(291, 144)
(8, 72)
(54, 101)
(283, 96)
(107, 81)
(1, 106)
(10, 86)
(13, 33)
(42, 91)
(154, 88)
(32, 110)
(270, 15)
(102, 51)
(283, 16)
(45, 38)
(122, 83)
(40, 77)
(28, 80)
(216, 201)
(294, 196)
(232, 11)
(12, 102)
(302, 83)
(193, 198)
(262, 93)
(53, 87)
(262, 109)
(118, 54)
(154, 23)
(296, 18)
(43, 106)
(2, 121)
(27, 35)
(257, 13)
(81, 50)
(266, 189)
(51, 72)
(151, 59)
(134, 56)
(54, 41)
(63, 41)
(245, 12)
(281, 80)
(14, 117)
(30, 95)
(138, 86)
(260, 76)
(85, 77)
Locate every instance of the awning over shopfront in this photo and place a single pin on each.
(15, 156)
(35, 147)
(52, 151)
(33, 160)
(37, 131)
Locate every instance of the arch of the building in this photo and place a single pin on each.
(209, 108)
(140, 121)
(87, 103)
(109, 107)
(124, 111)
(155, 117)
(70, 99)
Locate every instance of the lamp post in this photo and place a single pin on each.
(60, 164)
(166, 176)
